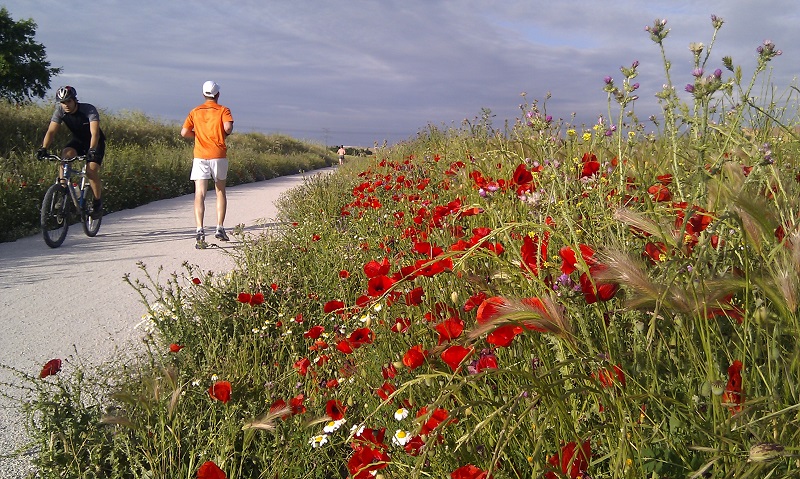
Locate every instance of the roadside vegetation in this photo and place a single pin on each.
(146, 160)
(617, 300)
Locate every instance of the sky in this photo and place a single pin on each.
(360, 72)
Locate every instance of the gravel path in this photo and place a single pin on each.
(54, 302)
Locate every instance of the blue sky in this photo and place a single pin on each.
(357, 72)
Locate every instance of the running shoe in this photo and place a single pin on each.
(221, 235)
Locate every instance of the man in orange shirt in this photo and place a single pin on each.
(208, 125)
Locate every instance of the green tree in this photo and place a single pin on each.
(24, 70)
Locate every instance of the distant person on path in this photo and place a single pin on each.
(341, 154)
(88, 139)
(208, 125)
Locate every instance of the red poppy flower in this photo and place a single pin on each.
(569, 261)
(209, 470)
(590, 165)
(196, 280)
(438, 417)
(296, 403)
(454, 355)
(599, 290)
(344, 347)
(504, 335)
(335, 410)
(378, 285)
(301, 365)
(489, 309)
(50, 368)
(314, 332)
(533, 252)
(665, 179)
(273, 287)
(469, 472)
(732, 396)
(388, 371)
(243, 298)
(385, 390)
(365, 461)
(221, 391)
(655, 252)
(333, 305)
(487, 361)
(374, 268)
(279, 405)
(659, 193)
(414, 297)
(257, 299)
(344, 274)
(360, 337)
(414, 357)
(414, 446)
(572, 461)
(450, 329)
(474, 301)
(174, 347)
(521, 175)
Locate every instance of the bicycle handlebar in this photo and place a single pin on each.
(52, 157)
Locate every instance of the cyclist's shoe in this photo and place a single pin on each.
(201, 240)
(96, 210)
(221, 235)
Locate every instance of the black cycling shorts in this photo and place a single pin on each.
(82, 149)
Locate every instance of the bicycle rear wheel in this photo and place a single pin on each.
(90, 225)
(55, 215)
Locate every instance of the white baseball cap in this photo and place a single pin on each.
(210, 89)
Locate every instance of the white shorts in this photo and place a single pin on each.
(216, 169)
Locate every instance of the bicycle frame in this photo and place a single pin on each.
(67, 173)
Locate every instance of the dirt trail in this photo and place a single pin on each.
(54, 302)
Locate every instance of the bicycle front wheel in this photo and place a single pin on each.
(90, 223)
(54, 215)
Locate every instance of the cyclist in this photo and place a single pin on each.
(88, 139)
(209, 125)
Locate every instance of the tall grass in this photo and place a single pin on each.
(146, 160)
(552, 301)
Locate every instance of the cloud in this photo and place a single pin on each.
(361, 71)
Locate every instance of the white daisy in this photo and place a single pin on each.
(318, 441)
(331, 426)
(401, 438)
(401, 414)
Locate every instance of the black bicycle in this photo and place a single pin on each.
(64, 201)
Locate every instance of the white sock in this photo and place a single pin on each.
(220, 228)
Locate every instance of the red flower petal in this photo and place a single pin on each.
(221, 391)
(50, 368)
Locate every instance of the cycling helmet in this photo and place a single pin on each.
(66, 93)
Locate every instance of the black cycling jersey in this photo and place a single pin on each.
(78, 122)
